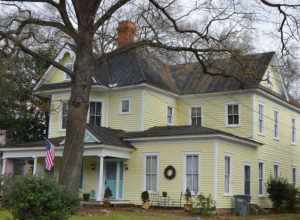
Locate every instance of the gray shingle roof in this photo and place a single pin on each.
(165, 131)
(138, 66)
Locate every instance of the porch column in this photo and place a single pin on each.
(4, 160)
(100, 179)
(34, 170)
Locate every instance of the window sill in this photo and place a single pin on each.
(232, 126)
(293, 144)
(262, 196)
(228, 195)
(261, 134)
(125, 113)
(276, 139)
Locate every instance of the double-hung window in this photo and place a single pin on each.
(196, 116)
(260, 178)
(95, 113)
(227, 175)
(192, 172)
(233, 114)
(276, 171)
(293, 131)
(261, 118)
(276, 124)
(294, 176)
(125, 106)
(151, 172)
(170, 115)
(64, 114)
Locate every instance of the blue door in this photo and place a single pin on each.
(111, 177)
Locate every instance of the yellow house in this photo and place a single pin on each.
(167, 128)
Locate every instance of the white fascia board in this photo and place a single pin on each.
(189, 137)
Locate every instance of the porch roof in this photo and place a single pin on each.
(101, 136)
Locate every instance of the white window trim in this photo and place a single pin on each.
(296, 180)
(60, 114)
(263, 194)
(158, 170)
(184, 171)
(263, 121)
(230, 193)
(226, 115)
(293, 142)
(66, 76)
(190, 113)
(173, 115)
(102, 110)
(247, 163)
(278, 130)
(120, 105)
(279, 174)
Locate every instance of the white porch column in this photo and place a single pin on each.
(34, 170)
(4, 160)
(99, 196)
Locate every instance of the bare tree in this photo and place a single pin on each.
(88, 27)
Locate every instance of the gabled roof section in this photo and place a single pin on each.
(60, 55)
(109, 136)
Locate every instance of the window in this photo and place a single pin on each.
(247, 180)
(196, 116)
(170, 115)
(276, 170)
(233, 117)
(261, 118)
(95, 113)
(261, 178)
(151, 173)
(70, 66)
(192, 172)
(227, 175)
(64, 115)
(294, 176)
(293, 131)
(125, 105)
(276, 126)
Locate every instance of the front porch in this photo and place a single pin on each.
(103, 167)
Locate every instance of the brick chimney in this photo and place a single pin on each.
(2, 137)
(126, 33)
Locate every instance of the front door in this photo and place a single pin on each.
(111, 177)
(247, 180)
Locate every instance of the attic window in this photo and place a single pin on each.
(70, 66)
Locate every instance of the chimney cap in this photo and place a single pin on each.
(126, 33)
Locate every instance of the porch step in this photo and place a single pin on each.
(114, 203)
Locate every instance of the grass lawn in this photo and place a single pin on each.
(154, 215)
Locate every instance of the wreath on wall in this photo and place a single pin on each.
(170, 172)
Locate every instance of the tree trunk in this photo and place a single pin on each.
(77, 116)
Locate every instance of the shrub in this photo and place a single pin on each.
(283, 194)
(204, 205)
(36, 198)
(145, 196)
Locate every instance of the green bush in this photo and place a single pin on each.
(36, 198)
(283, 194)
(204, 205)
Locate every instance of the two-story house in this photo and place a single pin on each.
(165, 128)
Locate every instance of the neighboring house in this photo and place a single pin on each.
(224, 136)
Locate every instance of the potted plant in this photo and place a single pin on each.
(188, 200)
(164, 194)
(86, 197)
(145, 199)
(107, 196)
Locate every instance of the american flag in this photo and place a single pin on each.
(50, 155)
